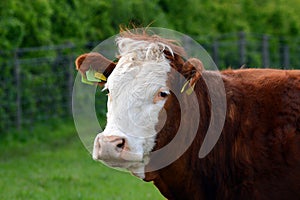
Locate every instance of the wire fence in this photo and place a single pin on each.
(36, 83)
(252, 50)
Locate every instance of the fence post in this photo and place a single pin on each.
(265, 52)
(286, 56)
(18, 90)
(242, 47)
(284, 53)
(70, 82)
(215, 51)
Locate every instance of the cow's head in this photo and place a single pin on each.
(139, 97)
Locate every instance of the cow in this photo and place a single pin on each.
(257, 154)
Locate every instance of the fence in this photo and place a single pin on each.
(36, 83)
(253, 50)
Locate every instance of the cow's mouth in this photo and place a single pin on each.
(120, 164)
(136, 168)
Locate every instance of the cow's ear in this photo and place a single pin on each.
(95, 65)
(192, 71)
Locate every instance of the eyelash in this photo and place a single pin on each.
(105, 89)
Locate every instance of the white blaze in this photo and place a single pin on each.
(132, 113)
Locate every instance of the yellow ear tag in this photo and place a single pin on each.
(189, 90)
(183, 87)
(100, 76)
(84, 80)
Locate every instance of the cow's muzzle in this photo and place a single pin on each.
(112, 149)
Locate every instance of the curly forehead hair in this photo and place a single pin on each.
(142, 34)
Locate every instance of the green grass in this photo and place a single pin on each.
(51, 163)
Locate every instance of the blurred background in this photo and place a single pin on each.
(41, 156)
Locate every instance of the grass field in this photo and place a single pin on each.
(51, 163)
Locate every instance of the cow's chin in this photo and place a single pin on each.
(135, 167)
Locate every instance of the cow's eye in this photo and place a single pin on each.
(163, 94)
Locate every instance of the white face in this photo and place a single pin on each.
(137, 93)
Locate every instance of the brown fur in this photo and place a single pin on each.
(258, 153)
(141, 34)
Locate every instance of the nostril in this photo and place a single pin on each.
(121, 145)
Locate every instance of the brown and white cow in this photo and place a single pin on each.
(258, 153)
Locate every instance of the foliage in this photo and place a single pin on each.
(34, 23)
(29, 23)
(49, 163)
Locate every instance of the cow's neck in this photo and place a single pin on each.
(177, 179)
